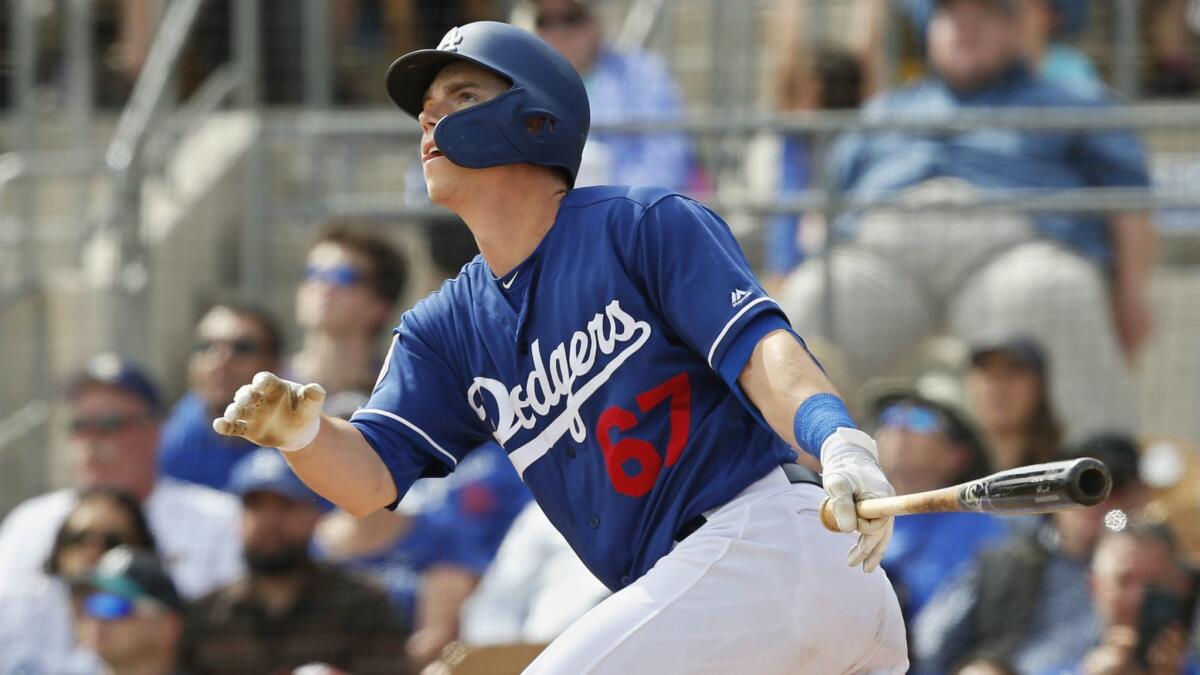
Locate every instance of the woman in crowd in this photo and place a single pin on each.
(36, 633)
(1007, 387)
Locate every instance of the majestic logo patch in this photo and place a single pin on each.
(562, 376)
(738, 296)
(452, 40)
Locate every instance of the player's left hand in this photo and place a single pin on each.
(851, 473)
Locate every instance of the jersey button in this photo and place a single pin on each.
(571, 451)
(625, 581)
(594, 522)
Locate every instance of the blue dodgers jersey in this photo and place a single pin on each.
(602, 384)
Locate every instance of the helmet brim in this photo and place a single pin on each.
(410, 76)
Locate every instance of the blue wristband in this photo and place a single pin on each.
(818, 417)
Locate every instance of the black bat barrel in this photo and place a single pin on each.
(1039, 488)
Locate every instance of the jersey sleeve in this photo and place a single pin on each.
(417, 418)
(697, 277)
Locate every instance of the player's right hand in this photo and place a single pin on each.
(850, 471)
(274, 413)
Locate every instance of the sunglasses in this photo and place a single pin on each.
(107, 540)
(105, 424)
(109, 606)
(916, 418)
(335, 275)
(572, 19)
(237, 346)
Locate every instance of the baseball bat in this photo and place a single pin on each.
(1037, 488)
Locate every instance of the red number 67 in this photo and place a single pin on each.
(678, 391)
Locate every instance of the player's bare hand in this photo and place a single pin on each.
(851, 473)
(274, 413)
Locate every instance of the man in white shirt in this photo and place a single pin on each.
(114, 412)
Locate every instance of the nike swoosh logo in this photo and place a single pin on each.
(510, 282)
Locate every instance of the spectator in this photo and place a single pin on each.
(1029, 599)
(114, 412)
(36, 632)
(536, 587)
(623, 87)
(1048, 276)
(288, 611)
(1046, 26)
(927, 441)
(827, 79)
(1173, 29)
(1133, 567)
(863, 27)
(232, 342)
(430, 554)
(352, 281)
(131, 614)
(1007, 386)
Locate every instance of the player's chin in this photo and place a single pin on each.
(439, 189)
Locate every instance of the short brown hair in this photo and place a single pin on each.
(266, 321)
(389, 268)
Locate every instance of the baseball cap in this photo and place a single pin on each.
(265, 470)
(1023, 349)
(938, 392)
(1118, 451)
(112, 370)
(125, 574)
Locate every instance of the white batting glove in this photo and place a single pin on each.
(274, 413)
(850, 471)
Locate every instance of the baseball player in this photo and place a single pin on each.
(616, 343)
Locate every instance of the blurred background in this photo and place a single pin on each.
(944, 196)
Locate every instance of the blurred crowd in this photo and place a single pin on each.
(178, 550)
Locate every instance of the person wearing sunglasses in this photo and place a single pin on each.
(232, 341)
(353, 280)
(113, 413)
(130, 613)
(928, 441)
(623, 86)
(36, 631)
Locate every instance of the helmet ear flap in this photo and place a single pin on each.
(540, 125)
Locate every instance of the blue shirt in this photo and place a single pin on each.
(190, 450)
(461, 521)
(927, 549)
(612, 389)
(872, 165)
(782, 245)
(637, 87)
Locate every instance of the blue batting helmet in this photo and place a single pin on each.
(545, 87)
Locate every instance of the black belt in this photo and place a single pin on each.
(796, 473)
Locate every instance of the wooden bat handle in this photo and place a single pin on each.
(945, 499)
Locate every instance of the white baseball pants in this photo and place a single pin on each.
(761, 588)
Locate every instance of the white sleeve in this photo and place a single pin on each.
(496, 610)
(27, 536)
(198, 535)
(566, 592)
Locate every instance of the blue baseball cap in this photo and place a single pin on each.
(265, 470)
(112, 370)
